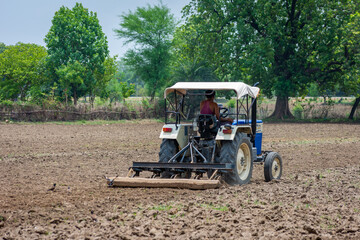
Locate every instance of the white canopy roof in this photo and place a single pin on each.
(240, 88)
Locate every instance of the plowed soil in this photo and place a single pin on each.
(318, 196)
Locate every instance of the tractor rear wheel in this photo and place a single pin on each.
(272, 166)
(168, 148)
(238, 152)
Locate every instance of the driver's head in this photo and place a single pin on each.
(209, 94)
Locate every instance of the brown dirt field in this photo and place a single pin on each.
(317, 198)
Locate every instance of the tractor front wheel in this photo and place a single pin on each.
(238, 152)
(272, 166)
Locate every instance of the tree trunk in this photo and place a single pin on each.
(353, 109)
(22, 94)
(92, 100)
(66, 97)
(152, 97)
(75, 97)
(282, 109)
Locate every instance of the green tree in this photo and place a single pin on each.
(124, 73)
(113, 90)
(126, 90)
(71, 77)
(188, 64)
(2, 47)
(351, 45)
(19, 70)
(122, 85)
(76, 42)
(283, 44)
(194, 71)
(151, 29)
(104, 78)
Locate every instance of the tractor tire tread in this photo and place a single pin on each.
(228, 154)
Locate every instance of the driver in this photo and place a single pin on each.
(208, 106)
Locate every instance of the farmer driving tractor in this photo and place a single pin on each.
(208, 106)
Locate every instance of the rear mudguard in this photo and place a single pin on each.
(180, 133)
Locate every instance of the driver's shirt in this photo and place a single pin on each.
(206, 108)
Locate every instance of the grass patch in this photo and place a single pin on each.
(221, 208)
(162, 207)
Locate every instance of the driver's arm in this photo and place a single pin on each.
(221, 118)
(217, 111)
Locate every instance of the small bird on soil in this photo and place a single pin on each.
(52, 188)
(93, 216)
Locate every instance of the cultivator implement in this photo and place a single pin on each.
(180, 175)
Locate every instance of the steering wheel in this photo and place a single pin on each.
(224, 112)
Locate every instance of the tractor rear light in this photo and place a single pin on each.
(167, 129)
(227, 131)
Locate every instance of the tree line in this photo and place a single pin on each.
(289, 46)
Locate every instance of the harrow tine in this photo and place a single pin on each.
(213, 176)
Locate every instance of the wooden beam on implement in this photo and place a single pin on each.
(164, 183)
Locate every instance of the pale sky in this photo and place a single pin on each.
(29, 21)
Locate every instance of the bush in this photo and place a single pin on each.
(145, 103)
(231, 103)
(298, 111)
(6, 104)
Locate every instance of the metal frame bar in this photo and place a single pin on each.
(190, 166)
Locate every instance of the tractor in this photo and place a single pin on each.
(198, 151)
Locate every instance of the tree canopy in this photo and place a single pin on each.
(150, 29)
(284, 44)
(19, 69)
(2, 47)
(77, 51)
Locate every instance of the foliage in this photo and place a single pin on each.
(313, 90)
(76, 43)
(351, 44)
(231, 103)
(2, 47)
(145, 103)
(298, 111)
(189, 64)
(70, 76)
(150, 28)
(117, 90)
(103, 78)
(19, 70)
(113, 90)
(193, 71)
(125, 74)
(283, 44)
(6, 104)
(127, 90)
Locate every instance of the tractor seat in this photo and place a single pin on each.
(208, 125)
